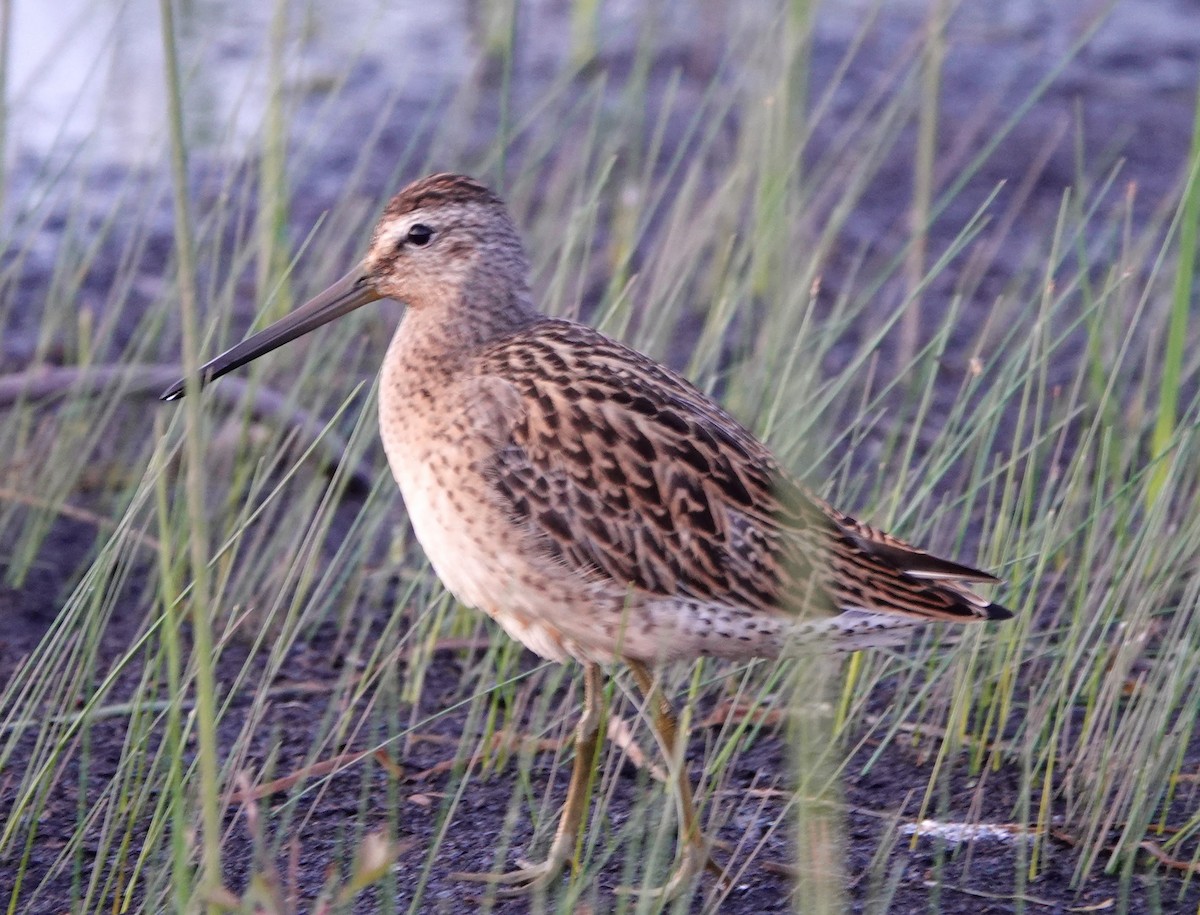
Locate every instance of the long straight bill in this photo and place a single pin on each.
(350, 292)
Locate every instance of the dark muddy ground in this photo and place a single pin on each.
(976, 877)
(1132, 91)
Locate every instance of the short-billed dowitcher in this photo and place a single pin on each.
(592, 502)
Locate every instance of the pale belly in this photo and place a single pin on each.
(478, 554)
(499, 565)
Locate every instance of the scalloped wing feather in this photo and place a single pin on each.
(632, 474)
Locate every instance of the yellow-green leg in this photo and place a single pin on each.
(693, 852)
(529, 876)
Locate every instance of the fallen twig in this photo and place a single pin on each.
(71, 511)
(506, 739)
(1150, 847)
(265, 404)
(621, 734)
(245, 795)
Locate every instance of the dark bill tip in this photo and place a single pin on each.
(350, 292)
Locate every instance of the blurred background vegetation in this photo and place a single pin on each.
(940, 256)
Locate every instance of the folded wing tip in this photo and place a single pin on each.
(998, 612)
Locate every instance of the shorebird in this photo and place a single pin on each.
(593, 502)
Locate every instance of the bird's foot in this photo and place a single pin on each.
(694, 858)
(528, 876)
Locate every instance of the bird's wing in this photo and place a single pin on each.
(627, 471)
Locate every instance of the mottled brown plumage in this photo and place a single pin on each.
(631, 473)
(594, 503)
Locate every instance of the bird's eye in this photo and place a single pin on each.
(420, 235)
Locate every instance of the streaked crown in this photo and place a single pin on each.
(444, 241)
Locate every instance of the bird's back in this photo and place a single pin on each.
(630, 473)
